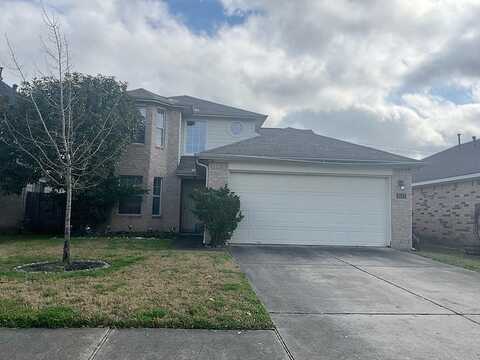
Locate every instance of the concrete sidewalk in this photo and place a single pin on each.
(139, 344)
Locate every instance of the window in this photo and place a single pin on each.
(157, 196)
(131, 205)
(140, 134)
(196, 136)
(160, 128)
(236, 128)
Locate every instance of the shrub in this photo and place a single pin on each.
(219, 210)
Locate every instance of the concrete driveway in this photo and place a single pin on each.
(351, 303)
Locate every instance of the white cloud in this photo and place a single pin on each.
(323, 64)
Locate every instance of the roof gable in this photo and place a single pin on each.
(296, 144)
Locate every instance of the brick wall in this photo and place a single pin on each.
(150, 160)
(401, 215)
(217, 174)
(444, 213)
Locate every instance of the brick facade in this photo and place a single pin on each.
(217, 174)
(401, 213)
(444, 213)
(150, 160)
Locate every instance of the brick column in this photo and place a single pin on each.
(401, 210)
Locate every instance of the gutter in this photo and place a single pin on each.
(242, 117)
(312, 160)
(446, 180)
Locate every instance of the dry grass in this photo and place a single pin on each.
(147, 285)
(455, 257)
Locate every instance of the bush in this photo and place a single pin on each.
(219, 210)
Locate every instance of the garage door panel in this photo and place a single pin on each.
(303, 200)
(319, 210)
(308, 237)
(299, 219)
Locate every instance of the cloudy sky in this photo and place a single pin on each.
(400, 75)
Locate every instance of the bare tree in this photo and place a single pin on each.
(70, 158)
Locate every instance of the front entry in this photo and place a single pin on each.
(188, 221)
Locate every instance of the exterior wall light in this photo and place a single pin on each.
(401, 185)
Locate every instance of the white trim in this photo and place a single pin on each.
(389, 211)
(225, 157)
(449, 179)
(307, 168)
(180, 138)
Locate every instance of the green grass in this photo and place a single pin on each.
(148, 284)
(455, 257)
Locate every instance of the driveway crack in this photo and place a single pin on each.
(284, 344)
(100, 344)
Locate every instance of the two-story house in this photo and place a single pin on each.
(295, 186)
(162, 159)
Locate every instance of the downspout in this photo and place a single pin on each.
(206, 169)
(206, 185)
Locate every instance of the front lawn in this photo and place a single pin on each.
(148, 285)
(455, 257)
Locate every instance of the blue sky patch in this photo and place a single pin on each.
(455, 94)
(204, 16)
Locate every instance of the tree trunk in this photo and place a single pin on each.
(68, 213)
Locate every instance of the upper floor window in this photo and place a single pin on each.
(131, 205)
(140, 134)
(160, 128)
(196, 136)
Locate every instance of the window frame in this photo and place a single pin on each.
(236, 123)
(143, 111)
(157, 196)
(163, 128)
(137, 182)
(205, 129)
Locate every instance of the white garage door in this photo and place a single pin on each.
(311, 210)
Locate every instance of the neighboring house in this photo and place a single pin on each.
(446, 193)
(11, 206)
(295, 187)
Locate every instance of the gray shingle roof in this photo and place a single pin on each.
(455, 161)
(142, 94)
(188, 168)
(298, 144)
(205, 108)
(197, 106)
